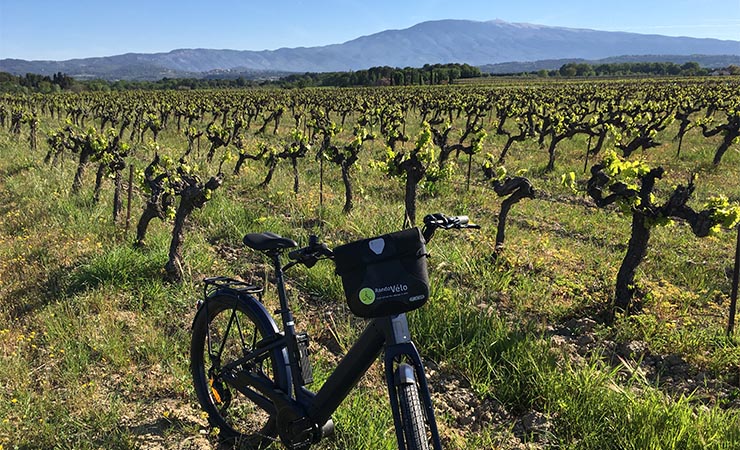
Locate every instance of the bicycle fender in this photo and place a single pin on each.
(256, 307)
(404, 375)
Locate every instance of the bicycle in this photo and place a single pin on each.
(250, 377)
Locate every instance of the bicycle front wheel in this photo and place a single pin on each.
(412, 414)
(226, 330)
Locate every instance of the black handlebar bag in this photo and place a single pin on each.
(384, 275)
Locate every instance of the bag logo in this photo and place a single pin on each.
(394, 289)
(377, 245)
(367, 296)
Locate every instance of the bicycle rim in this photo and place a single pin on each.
(227, 333)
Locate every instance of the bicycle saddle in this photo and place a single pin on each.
(268, 241)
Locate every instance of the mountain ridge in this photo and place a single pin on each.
(476, 43)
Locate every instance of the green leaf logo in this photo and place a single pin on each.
(367, 296)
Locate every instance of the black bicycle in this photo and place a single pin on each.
(250, 376)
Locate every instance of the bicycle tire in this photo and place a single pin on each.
(412, 416)
(238, 419)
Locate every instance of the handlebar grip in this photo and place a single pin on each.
(439, 220)
(460, 220)
(313, 250)
(435, 219)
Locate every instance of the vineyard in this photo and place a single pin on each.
(590, 311)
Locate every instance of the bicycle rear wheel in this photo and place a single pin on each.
(225, 330)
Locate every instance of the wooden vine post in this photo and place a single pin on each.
(129, 196)
(735, 280)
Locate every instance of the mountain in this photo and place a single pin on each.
(442, 41)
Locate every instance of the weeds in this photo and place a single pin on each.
(92, 341)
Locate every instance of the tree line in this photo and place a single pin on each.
(35, 83)
(429, 74)
(634, 68)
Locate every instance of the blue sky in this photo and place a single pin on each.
(44, 29)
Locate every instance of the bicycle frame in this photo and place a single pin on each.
(313, 410)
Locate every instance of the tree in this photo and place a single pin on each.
(690, 68)
(568, 70)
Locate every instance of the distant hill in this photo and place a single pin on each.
(443, 41)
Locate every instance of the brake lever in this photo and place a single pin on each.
(324, 250)
(310, 261)
(295, 254)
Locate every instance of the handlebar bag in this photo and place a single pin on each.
(384, 275)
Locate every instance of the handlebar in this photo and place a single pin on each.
(439, 220)
(316, 250)
(310, 254)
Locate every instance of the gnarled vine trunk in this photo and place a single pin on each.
(81, 165)
(98, 182)
(636, 250)
(192, 196)
(347, 180)
(517, 188)
(414, 174)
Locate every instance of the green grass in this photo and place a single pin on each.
(93, 342)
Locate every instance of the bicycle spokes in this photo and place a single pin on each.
(230, 339)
